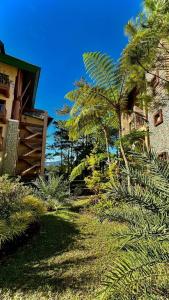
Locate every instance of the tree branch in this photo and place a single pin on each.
(147, 71)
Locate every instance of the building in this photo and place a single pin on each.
(135, 118)
(154, 120)
(22, 127)
(158, 115)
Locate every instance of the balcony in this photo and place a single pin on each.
(137, 120)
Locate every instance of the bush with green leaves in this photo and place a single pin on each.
(54, 190)
(141, 268)
(11, 194)
(18, 208)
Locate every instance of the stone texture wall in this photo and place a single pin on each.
(159, 135)
(12, 72)
(11, 148)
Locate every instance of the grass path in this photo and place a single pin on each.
(65, 261)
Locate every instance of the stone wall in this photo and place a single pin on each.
(159, 135)
(12, 72)
(11, 148)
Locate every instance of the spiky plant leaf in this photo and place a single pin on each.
(137, 273)
(78, 170)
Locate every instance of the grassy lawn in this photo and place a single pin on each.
(67, 260)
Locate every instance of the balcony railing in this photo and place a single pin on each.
(137, 120)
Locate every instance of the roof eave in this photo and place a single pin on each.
(20, 64)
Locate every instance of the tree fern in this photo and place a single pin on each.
(100, 68)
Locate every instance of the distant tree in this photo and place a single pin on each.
(70, 152)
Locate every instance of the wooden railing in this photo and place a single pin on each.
(32, 144)
(137, 120)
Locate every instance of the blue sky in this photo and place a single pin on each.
(54, 34)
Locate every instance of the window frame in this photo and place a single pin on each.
(158, 115)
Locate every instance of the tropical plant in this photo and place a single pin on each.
(18, 208)
(141, 272)
(90, 117)
(11, 194)
(148, 41)
(54, 189)
(70, 152)
(99, 106)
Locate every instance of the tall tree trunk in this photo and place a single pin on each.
(68, 163)
(61, 157)
(71, 158)
(123, 153)
(107, 144)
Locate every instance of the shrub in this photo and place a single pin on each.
(18, 208)
(34, 204)
(54, 190)
(11, 194)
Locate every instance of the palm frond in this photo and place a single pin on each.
(78, 170)
(137, 273)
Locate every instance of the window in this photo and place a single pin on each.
(163, 155)
(158, 117)
(4, 85)
(155, 82)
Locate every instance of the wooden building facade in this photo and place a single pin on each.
(22, 127)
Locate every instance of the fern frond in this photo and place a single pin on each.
(100, 68)
(130, 29)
